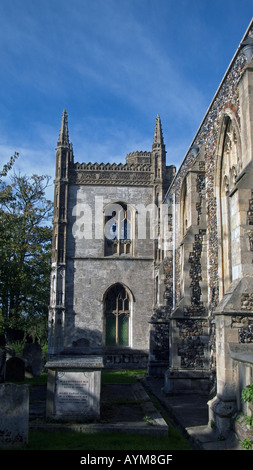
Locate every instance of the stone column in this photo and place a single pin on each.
(223, 406)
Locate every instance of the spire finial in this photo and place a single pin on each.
(64, 133)
(158, 136)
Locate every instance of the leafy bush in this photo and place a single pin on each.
(246, 444)
(247, 394)
(247, 397)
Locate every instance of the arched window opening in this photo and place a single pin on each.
(228, 168)
(117, 316)
(118, 229)
(184, 208)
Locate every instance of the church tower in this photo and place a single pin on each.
(86, 197)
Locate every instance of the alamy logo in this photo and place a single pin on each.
(117, 221)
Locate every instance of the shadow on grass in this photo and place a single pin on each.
(74, 440)
(71, 440)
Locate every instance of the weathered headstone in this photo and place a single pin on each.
(32, 354)
(14, 415)
(2, 341)
(74, 387)
(15, 369)
(2, 364)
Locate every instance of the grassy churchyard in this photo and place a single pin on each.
(73, 440)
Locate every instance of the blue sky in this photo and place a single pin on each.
(113, 65)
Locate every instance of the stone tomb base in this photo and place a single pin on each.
(183, 381)
(73, 389)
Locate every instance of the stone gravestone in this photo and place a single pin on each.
(2, 364)
(74, 386)
(2, 341)
(15, 369)
(14, 415)
(32, 354)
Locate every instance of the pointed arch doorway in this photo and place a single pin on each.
(117, 316)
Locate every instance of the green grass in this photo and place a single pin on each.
(107, 376)
(71, 440)
(122, 376)
(41, 380)
(74, 440)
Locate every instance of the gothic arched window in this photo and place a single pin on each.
(228, 168)
(118, 229)
(117, 316)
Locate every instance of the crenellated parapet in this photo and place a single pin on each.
(138, 157)
(137, 174)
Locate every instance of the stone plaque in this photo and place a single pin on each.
(73, 392)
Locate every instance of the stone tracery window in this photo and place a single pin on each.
(117, 316)
(118, 229)
(229, 167)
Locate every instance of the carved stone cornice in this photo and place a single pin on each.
(111, 174)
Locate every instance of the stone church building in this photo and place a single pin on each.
(153, 267)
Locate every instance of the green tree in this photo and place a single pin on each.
(8, 166)
(25, 253)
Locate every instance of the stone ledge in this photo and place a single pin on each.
(242, 352)
(75, 362)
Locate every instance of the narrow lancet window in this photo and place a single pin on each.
(117, 316)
